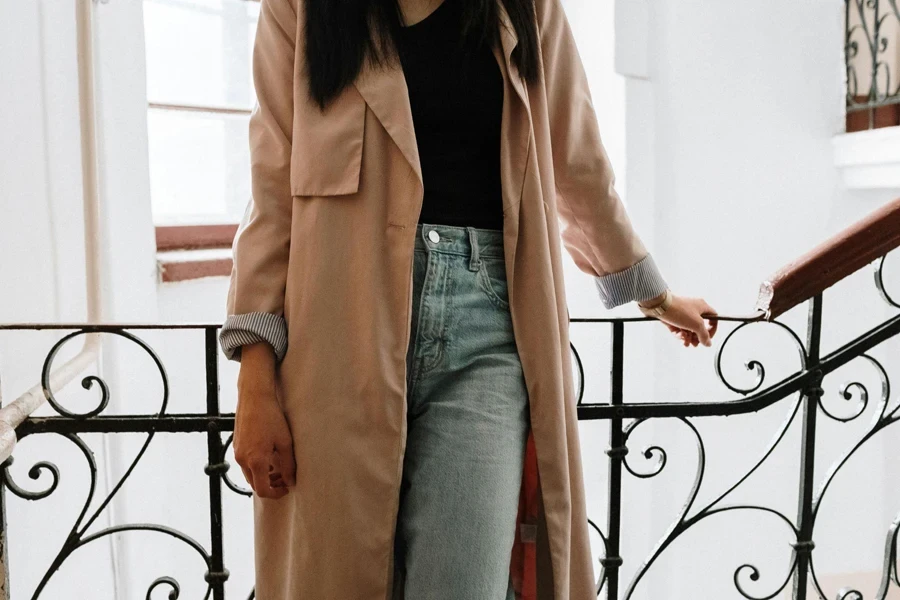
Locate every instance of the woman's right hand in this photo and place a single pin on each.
(263, 446)
(692, 320)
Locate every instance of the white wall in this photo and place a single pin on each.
(719, 124)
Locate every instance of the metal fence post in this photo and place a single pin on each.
(616, 452)
(804, 546)
(218, 574)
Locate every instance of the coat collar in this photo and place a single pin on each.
(384, 90)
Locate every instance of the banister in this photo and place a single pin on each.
(834, 259)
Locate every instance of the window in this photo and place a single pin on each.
(872, 52)
(200, 96)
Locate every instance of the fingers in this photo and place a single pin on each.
(241, 459)
(262, 467)
(286, 465)
(690, 339)
(702, 333)
(713, 323)
(691, 319)
(265, 474)
(686, 336)
(699, 326)
(248, 475)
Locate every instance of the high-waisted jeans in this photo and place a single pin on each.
(468, 420)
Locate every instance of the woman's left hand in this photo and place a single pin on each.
(685, 319)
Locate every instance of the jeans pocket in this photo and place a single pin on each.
(492, 280)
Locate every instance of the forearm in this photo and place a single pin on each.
(261, 248)
(257, 371)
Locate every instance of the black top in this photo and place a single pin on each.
(456, 103)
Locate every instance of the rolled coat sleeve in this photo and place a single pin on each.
(260, 251)
(595, 227)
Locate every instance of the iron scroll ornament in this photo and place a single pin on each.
(812, 395)
(803, 394)
(78, 536)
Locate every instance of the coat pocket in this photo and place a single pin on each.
(326, 149)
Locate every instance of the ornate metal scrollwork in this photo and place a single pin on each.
(754, 365)
(809, 395)
(89, 381)
(175, 589)
(238, 489)
(686, 519)
(810, 391)
(79, 536)
(33, 473)
(879, 283)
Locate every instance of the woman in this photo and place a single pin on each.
(406, 412)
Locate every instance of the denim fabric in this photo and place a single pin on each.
(468, 420)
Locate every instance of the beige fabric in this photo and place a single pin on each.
(327, 242)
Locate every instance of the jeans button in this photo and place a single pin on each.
(433, 236)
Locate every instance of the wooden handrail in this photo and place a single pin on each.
(837, 257)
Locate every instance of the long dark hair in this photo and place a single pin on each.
(338, 36)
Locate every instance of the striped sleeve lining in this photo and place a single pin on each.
(641, 281)
(249, 328)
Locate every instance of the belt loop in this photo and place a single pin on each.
(474, 257)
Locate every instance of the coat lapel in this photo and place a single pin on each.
(508, 42)
(384, 90)
(516, 127)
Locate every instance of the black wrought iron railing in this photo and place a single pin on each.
(872, 54)
(800, 392)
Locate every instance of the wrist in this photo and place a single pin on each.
(257, 371)
(655, 301)
(255, 386)
(656, 307)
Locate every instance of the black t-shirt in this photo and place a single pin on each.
(456, 97)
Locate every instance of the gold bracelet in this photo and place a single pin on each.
(658, 309)
(662, 298)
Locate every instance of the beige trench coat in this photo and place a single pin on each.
(327, 242)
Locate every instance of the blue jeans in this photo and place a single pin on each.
(468, 420)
